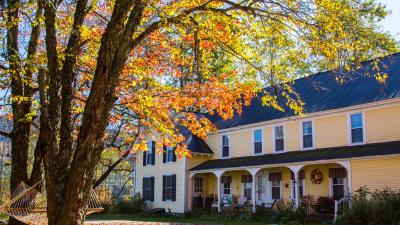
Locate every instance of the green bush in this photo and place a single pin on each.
(128, 206)
(283, 214)
(381, 207)
(325, 205)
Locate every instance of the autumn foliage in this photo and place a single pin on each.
(79, 69)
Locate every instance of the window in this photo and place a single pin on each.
(261, 187)
(338, 186)
(169, 154)
(149, 155)
(307, 134)
(169, 187)
(148, 188)
(247, 190)
(279, 139)
(257, 136)
(301, 188)
(357, 130)
(227, 188)
(225, 146)
(276, 189)
(198, 185)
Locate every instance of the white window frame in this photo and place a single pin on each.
(303, 181)
(202, 178)
(284, 138)
(251, 188)
(167, 160)
(262, 141)
(280, 190)
(222, 146)
(331, 186)
(223, 189)
(363, 127)
(302, 134)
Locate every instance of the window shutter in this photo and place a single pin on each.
(153, 152)
(152, 188)
(174, 156)
(163, 186)
(144, 159)
(164, 154)
(174, 187)
(143, 185)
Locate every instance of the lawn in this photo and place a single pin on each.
(175, 219)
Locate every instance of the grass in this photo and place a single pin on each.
(176, 219)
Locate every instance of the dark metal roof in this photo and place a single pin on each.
(322, 92)
(198, 145)
(345, 152)
(194, 143)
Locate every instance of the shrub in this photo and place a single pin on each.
(381, 207)
(283, 214)
(128, 206)
(325, 205)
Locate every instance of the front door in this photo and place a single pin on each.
(261, 189)
(198, 192)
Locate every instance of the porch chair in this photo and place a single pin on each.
(227, 202)
(270, 205)
(242, 202)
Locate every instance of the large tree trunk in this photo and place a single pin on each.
(20, 90)
(111, 59)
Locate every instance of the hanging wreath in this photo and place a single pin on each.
(316, 176)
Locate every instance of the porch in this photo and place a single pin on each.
(297, 185)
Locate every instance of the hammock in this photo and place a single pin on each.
(29, 205)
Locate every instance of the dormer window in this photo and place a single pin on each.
(279, 139)
(225, 145)
(257, 139)
(357, 128)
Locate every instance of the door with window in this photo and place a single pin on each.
(337, 178)
(275, 179)
(198, 192)
(198, 186)
(261, 189)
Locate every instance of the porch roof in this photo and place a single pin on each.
(344, 152)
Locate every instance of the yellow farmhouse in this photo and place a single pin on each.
(349, 137)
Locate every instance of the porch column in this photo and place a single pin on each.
(346, 164)
(253, 172)
(295, 169)
(219, 174)
(191, 175)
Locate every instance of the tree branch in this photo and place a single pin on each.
(5, 134)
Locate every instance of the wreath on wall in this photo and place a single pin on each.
(316, 176)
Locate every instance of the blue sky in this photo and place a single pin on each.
(392, 22)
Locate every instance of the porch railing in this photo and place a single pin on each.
(339, 205)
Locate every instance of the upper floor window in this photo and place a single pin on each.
(307, 134)
(225, 145)
(149, 155)
(279, 139)
(169, 154)
(257, 136)
(357, 128)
